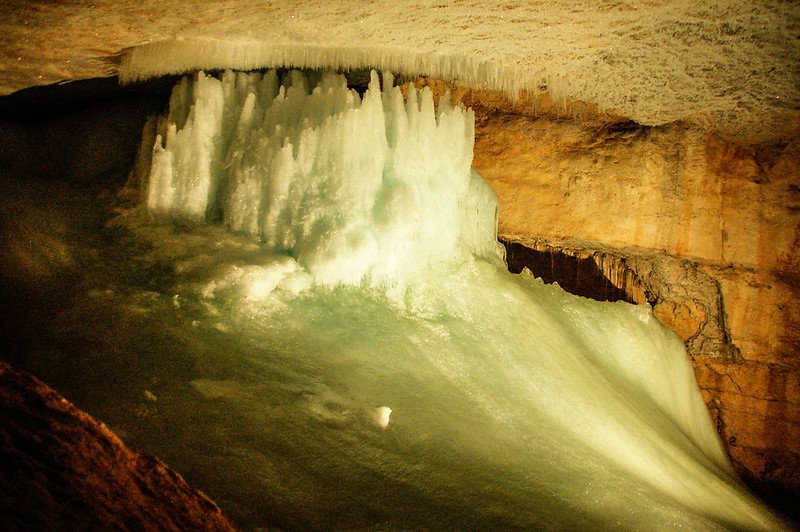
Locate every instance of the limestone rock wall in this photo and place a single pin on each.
(713, 226)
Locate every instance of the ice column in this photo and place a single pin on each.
(376, 190)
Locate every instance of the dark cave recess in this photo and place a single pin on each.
(575, 273)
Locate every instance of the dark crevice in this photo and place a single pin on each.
(49, 101)
(577, 273)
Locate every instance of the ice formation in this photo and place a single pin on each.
(381, 416)
(328, 182)
(523, 406)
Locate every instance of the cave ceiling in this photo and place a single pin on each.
(732, 66)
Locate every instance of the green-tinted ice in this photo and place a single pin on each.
(367, 362)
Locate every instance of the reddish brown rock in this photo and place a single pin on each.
(755, 408)
(686, 318)
(64, 470)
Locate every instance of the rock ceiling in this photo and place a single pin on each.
(728, 65)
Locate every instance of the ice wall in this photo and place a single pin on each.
(348, 190)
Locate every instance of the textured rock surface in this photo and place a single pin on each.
(63, 470)
(683, 296)
(728, 65)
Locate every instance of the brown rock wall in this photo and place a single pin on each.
(729, 214)
(60, 469)
(755, 407)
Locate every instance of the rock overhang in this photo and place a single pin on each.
(732, 67)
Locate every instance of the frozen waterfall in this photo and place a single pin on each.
(345, 253)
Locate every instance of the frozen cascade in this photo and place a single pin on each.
(379, 285)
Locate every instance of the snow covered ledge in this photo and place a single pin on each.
(183, 55)
(645, 93)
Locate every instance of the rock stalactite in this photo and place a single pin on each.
(592, 274)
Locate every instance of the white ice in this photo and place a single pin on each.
(346, 191)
